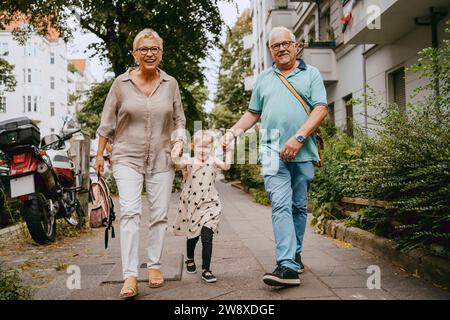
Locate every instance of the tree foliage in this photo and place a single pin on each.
(234, 65)
(89, 116)
(406, 163)
(189, 29)
(231, 101)
(7, 80)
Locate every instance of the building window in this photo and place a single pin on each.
(52, 109)
(52, 58)
(2, 104)
(326, 32)
(348, 105)
(29, 103)
(29, 49)
(52, 130)
(26, 75)
(52, 82)
(4, 50)
(331, 115)
(281, 4)
(24, 100)
(397, 91)
(35, 104)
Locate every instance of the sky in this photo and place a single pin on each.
(229, 11)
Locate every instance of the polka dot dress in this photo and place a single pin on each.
(199, 203)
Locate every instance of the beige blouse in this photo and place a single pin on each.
(143, 129)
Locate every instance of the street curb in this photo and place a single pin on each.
(11, 229)
(418, 262)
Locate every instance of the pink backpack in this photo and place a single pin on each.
(101, 213)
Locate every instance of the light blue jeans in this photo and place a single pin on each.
(287, 189)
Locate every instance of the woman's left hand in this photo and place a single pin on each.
(176, 149)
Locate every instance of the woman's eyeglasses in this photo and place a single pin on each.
(144, 50)
(285, 44)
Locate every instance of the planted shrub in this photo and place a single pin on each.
(406, 163)
(11, 286)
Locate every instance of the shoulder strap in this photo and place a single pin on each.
(294, 92)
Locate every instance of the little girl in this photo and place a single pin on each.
(199, 206)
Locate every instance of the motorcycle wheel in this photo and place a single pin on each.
(42, 228)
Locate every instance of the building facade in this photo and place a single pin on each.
(79, 81)
(358, 45)
(40, 68)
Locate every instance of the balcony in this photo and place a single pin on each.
(249, 81)
(282, 17)
(385, 21)
(324, 59)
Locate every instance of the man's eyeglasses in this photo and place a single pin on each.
(285, 44)
(144, 50)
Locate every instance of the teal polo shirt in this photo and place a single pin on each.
(282, 115)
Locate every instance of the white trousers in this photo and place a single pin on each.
(158, 187)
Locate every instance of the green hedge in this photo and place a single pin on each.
(404, 161)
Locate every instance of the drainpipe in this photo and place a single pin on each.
(365, 90)
(318, 19)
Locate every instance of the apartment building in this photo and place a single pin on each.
(355, 44)
(40, 68)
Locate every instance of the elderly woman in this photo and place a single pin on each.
(144, 119)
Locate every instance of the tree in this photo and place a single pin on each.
(89, 115)
(234, 65)
(7, 79)
(231, 99)
(188, 27)
(222, 117)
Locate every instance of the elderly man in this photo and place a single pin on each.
(288, 150)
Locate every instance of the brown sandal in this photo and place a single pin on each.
(155, 278)
(129, 289)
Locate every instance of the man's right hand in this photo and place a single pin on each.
(227, 139)
(99, 165)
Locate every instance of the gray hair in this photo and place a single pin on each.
(278, 29)
(146, 33)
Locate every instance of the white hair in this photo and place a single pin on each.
(146, 33)
(279, 29)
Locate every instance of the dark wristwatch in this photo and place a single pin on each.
(300, 138)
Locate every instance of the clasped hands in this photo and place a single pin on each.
(176, 149)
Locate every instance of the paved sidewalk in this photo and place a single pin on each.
(243, 251)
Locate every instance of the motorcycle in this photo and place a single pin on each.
(42, 177)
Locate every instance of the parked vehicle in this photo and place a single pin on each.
(43, 176)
